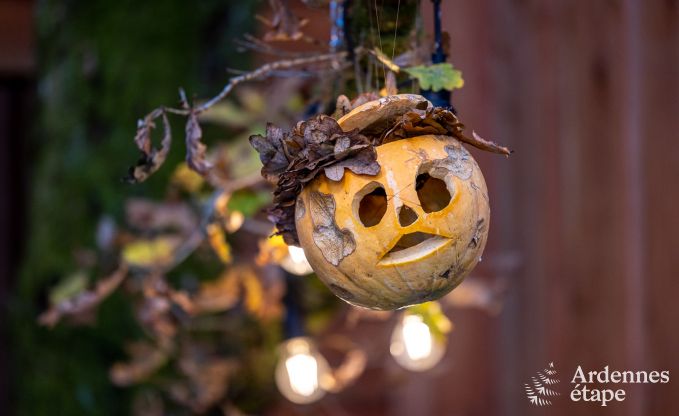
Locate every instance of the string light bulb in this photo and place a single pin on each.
(419, 339)
(302, 372)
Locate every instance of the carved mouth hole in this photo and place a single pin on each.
(410, 240)
(372, 207)
(432, 192)
(413, 247)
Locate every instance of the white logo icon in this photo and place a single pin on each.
(538, 391)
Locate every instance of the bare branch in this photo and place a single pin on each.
(266, 70)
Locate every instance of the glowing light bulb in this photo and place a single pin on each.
(414, 346)
(295, 262)
(302, 371)
(417, 337)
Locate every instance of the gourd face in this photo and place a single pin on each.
(407, 235)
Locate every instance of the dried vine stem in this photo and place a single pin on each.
(267, 69)
(152, 158)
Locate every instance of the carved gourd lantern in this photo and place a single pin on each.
(408, 231)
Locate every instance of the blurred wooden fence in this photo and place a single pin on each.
(587, 93)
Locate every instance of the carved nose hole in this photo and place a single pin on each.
(406, 216)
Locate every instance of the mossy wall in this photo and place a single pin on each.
(103, 64)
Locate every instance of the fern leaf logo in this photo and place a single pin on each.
(539, 391)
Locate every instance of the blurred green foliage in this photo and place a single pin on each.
(103, 64)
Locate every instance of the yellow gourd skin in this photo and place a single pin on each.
(446, 223)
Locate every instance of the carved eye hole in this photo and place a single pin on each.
(370, 203)
(432, 192)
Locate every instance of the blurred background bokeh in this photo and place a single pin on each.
(581, 266)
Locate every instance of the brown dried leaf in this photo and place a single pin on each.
(436, 121)
(195, 149)
(365, 163)
(271, 152)
(151, 158)
(84, 302)
(292, 159)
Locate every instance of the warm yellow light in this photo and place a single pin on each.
(295, 262)
(414, 346)
(301, 371)
(417, 337)
(234, 221)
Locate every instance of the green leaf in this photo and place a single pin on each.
(248, 202)
(436, 77)
(69, 287)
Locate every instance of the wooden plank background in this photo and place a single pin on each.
(587, 93)
(585, 214)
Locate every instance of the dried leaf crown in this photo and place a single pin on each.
(292, 159)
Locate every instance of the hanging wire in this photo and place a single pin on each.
(379, 37)
(393, 47)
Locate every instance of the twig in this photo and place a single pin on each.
(266, 70)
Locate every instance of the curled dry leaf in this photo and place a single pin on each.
(84, 302)
(151, 158)
(292, 159)
(195, 149)
(437, 120)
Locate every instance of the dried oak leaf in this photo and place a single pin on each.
(436, 120)
(292, 159)
(151, 158)
(85, 302)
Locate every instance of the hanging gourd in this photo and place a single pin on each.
(389, 207)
